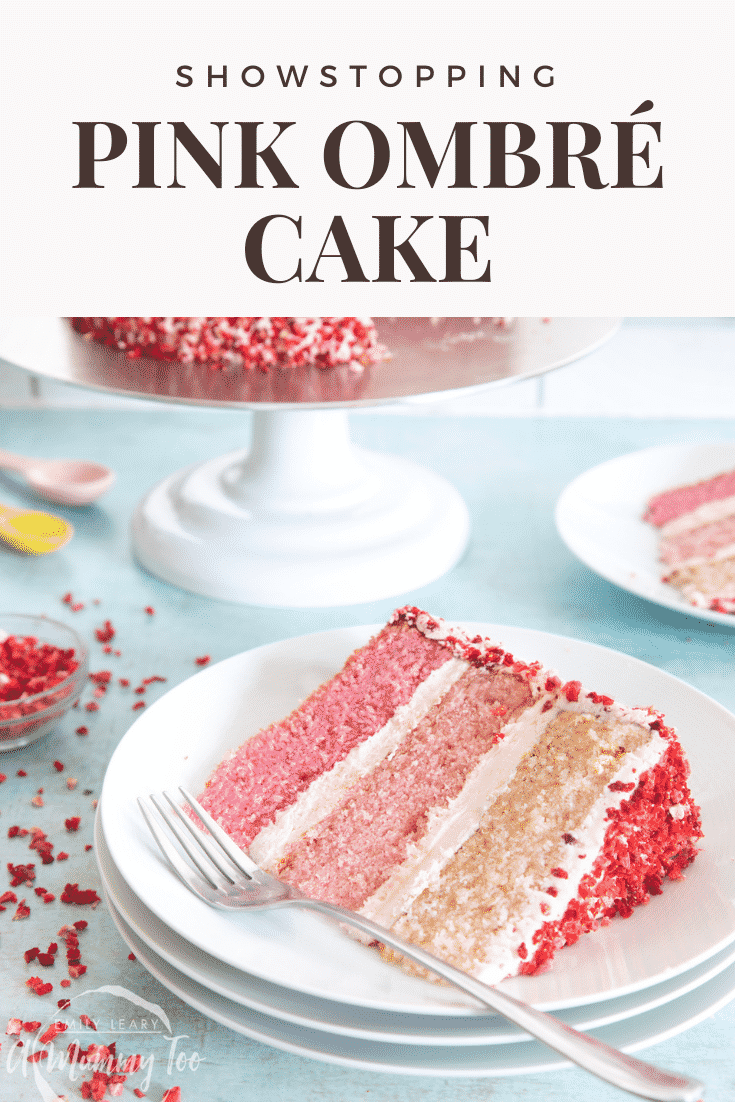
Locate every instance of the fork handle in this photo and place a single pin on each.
(617, 1068)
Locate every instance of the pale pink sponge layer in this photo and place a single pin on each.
(697, 542)
(471, 801)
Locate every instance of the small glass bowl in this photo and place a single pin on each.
(29, 718)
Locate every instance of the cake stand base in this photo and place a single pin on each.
(302, 519)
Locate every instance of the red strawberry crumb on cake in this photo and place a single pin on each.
(697, 543)
(470, 801)
(241, 343)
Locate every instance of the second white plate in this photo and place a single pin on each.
(600, 517)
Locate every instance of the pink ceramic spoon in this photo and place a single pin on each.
(67, 481)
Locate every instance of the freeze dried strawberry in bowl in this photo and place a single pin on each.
(43, 669)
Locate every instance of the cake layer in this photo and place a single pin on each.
(702, 542)
(676, 502)
(470, 801)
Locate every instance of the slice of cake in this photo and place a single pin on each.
(241, 343)
(697, 542)
(470, 801)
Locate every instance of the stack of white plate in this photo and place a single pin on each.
(297, 982)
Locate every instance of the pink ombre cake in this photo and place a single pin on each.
(468, 800)
(697, 542)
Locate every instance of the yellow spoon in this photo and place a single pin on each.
(33, 532)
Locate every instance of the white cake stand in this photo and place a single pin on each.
(303, 518)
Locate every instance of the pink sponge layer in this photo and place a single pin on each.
(269, 771)
(683, 499)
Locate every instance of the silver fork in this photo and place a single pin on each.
(223, 875)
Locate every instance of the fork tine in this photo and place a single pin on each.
(196, 854)
(233, 851)
(213, 851)
(170, 853)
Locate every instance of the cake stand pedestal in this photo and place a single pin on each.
(302, 518)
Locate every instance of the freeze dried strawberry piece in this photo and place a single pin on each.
(151, 611)
(31, 1027)
(61, 856)
(81, 924)
(31, 954)
(123, 681)
(64, 1004)
(73, 894)
(8, 897)
(49, 897)
(22, 773)
(572, 690)
(71, 783)
(151, 680)
(14, 1027)
(73, 823)
(173, 1094)
(59, 766)
(136, 707)
(203, 660)
(65, 983)
(53, 1031)
(3, 777)
(36, 984)
(86, 1020)
(22, 911)
(34, 1057)
(46, 959)
(77, 970)
(21, 874)
(82, 731)
(92, 706)
(102, 677)
(13, 831)
(138, 1093)
(105, 633)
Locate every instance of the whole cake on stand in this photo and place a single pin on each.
(301, 517)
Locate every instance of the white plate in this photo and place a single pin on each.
(599, 517)
(374, 1025)
(187, 732)
(630, 1035)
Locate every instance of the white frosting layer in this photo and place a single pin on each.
(326, 792)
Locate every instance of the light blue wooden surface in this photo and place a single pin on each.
(516, 571)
